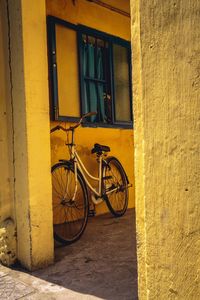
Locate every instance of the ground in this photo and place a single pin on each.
(101, 265)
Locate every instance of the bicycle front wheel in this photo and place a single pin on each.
(115, 187)
(70, 204)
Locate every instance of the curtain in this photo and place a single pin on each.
(93, 89)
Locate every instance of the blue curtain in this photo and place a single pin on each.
(93, 90)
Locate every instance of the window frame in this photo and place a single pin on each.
(53, 81)
(53, 78)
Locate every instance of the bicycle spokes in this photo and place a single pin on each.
(115, 187)
(69, 206)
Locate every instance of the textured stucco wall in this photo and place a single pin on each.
(33, 204)
(166, 71)
(7, 217)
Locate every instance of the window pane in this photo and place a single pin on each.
(121, 83)
(67, 72)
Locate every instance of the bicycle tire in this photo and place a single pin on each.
(115, 176)
(69, 216)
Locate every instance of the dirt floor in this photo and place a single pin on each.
(102, 263)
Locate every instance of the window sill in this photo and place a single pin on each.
(102, 125)
(93, 125)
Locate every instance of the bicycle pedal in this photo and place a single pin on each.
(91, 213)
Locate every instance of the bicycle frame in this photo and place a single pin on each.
(78, 164)
(72, 181)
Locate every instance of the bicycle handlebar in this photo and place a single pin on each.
(58, 127)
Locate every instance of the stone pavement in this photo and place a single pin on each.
(101, 265)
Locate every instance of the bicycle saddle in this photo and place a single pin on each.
(100, 148)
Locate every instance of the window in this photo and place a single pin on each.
(90, 71)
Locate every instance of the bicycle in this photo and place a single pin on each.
(70, 187)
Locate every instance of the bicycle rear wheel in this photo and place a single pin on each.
(70, 214)
(115, 187)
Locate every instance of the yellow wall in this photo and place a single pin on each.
(166, 72)
(92, 15)
(6, 181)
(30, 91)
(7, 222)
(24, 136)
(119, 140)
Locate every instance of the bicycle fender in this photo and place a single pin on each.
(69, 163)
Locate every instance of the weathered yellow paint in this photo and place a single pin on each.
(119, 140)
(5, 137)
(8, 242)
(166, 51)
(92, 15)
(32, 187)
(167, 128)
(139, 149)
(7, 224)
